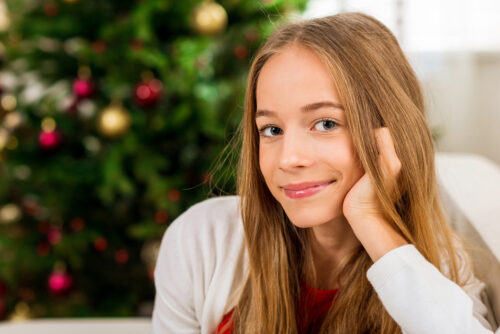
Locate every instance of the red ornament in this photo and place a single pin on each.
(121, 256)
(77, 224)
(49, 140)
(100, 244)
(240, 51)
(148, 93)
(83, 88)
(99, 47)
(174, 195)
(161, 216)
(51, 9)
(59, 283)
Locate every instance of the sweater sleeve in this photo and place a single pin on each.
(174, 310)
(422, 300)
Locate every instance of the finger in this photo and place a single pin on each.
(387, 152)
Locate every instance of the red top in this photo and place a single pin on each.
(316, 302)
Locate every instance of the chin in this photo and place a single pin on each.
(305, 217)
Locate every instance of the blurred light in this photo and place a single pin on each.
(4, 17)
(4, 135)
(10, 213)
(8, 102)
(22, 172)
(48, 124)
(12, 120)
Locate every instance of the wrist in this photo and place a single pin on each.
(377, 235)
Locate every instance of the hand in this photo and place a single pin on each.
(361, 206)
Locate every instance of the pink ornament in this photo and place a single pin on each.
(59, 282)
(54, 236)
(49, 140)
(83, 88)
(147, 94)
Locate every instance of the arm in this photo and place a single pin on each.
(173, 308)
(417, 296)
(420, 299)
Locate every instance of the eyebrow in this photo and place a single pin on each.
(306, 108)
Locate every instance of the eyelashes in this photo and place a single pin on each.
(332, 124)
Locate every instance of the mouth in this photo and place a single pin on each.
(303, 190)
(305, 185)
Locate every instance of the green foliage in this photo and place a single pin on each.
(125, 189)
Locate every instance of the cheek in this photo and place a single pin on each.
(355, 169)
(341, 156)
(265, 164)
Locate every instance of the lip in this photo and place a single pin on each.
(305, 189)
(304, 185)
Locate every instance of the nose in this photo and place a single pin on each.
(295, 151)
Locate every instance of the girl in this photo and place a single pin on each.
(337, 226)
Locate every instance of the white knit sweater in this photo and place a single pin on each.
(202, 263)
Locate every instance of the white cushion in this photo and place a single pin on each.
(78, 326)
(470, 187)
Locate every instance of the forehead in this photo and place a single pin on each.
(295, 76)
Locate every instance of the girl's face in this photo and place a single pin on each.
(306, 153)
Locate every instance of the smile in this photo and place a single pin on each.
(306, 192)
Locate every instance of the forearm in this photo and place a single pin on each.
(377, 236)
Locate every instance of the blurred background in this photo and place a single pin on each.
(112, 114)
(454, 46)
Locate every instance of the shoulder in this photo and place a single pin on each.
(200, 229)
(215, 214)
(197, 252)
(204, 233)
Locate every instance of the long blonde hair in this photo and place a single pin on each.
(377, 87)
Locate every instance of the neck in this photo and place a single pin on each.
(331, 242)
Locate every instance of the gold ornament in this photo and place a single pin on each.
(4, 137)
(9, 213)
(209, 18)
(4, 16)
(12, 120)
(113, 121)
(21, 312)
(8, 102)
(48, 124)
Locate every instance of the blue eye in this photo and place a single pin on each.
(329, 125)
(274, 131)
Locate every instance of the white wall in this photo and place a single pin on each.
(454, 46)
(462, 91)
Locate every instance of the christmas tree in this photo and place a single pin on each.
(111, 116)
